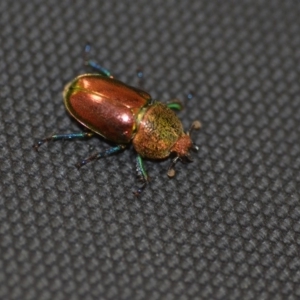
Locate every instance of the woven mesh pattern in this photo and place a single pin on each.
(226, 227)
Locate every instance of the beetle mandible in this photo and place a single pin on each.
(123, 114)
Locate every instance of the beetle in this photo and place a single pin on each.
(123, 114)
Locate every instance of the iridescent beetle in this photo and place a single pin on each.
(123, 114)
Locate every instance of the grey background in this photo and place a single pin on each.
(226, 227)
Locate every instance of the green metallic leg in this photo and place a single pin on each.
(175, 105)
(67, 136)
(141, 174)
(89, 62)
(105, 153)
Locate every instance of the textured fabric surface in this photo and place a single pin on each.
(226, 227)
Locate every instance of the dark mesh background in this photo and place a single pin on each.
(226, 227)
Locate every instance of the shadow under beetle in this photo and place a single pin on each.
(123, 114)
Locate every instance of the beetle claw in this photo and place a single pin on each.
(78, 165)
(140, 190)
(35, 147)
(38, 144)
(83, 162)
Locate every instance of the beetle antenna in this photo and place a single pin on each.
(195, 126)
(171, 170)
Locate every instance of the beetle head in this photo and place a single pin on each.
(182, 148)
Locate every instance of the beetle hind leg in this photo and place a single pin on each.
(141, 174)
(66, 136)
(96, 156)
(91, 63)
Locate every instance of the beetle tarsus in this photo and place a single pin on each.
(141, 174)
(105, 153)
(87, 160)
(81, 164)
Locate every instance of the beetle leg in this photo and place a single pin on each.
(91, 63)
(195, 126)
(175, 105)
(66, 136)
(98, 68)
(141, 173)
(105, 153)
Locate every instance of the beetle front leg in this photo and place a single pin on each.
(141, 174)
(105, 153)
(66, 136)
(175, 105)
